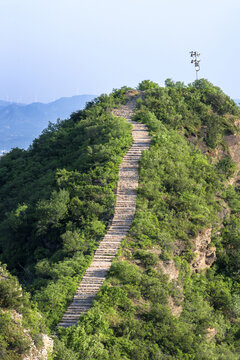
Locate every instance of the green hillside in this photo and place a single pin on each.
(173, 291)
(22, 329)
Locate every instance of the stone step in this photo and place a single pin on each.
(111, 240)
(107, 242)
(87, 290)
(80, 302)
(90, 273)
(103, 258)
(123, 217)
(119, 227)
(108, 251)
(91, 282)
(108, 245)
(115, 220)
(90, 285)
(72, 317)
(78, 306)
(83, 298)
(76, 313)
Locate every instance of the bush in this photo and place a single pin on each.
(147, 85)
(147, 258)
(125, 272)
(227, 166)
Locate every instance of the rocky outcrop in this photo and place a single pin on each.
(233, 143)
(169, 268)
(211, 333)
(32, 351)
(43, 352)
(205, 254)
(175, 308)
(23, 341)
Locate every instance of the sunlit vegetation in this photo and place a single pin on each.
(60, 197)
(20, 323)
(179, 191)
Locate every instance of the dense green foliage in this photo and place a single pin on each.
(147, 85)
(133, 315)
(16, 316)
(199, 109)
(60, 198)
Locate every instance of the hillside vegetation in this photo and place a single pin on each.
(21, 326)
(161, 300)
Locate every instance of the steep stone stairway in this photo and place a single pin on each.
(120, 224)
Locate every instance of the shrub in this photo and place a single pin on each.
(127, 273)
(147, 85)
(147, 258)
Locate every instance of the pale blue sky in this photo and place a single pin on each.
(54, 48)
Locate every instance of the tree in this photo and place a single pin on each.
(147, 85)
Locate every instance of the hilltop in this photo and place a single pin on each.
(172, 292)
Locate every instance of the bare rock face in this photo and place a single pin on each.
(169, 268)
(225, 211)
(175, 309)
(34, 353)
(43, 352)
(211, 333)
(233, 143)
(205, 255)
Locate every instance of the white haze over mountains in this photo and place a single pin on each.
(20, 123)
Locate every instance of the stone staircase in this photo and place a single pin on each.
(120, 224)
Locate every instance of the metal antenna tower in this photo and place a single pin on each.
(195, 60)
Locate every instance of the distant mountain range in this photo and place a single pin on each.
(21, 123)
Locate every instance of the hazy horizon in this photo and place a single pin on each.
(46, 102)
(66, 48)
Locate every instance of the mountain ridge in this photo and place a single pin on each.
(21, 123)
(172, 292)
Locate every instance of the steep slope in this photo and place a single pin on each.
(172, 291)
(120, 224)
(60, 200)
(21, 326)
(160, 300)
